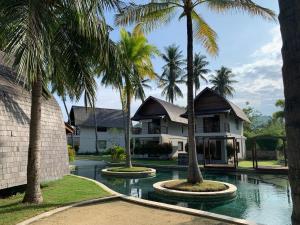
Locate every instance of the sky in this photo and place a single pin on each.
(250, 46)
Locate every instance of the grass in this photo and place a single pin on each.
(249, 164)
(205, 186)
(58, 193)
(93, 157)
(128, 169)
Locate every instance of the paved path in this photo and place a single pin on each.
(123, 213)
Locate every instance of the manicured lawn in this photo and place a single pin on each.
(127, 169)
(205, 186)
(57, 193)
(249, 164)
(93, 157)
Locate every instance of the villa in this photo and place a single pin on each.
(15, 104)
(160, 123)
(219, 128)
(110, 128)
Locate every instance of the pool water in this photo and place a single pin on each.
(262, 198)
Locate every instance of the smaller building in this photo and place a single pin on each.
(160, 123)
(110, 128)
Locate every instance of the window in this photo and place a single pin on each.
(211, 124)
(237, 124)
(101, 129)
(77, 130)
(180, 146)
(102, 144)
(154, 127)
(182, 129)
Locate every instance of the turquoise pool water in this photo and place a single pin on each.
(262, 198)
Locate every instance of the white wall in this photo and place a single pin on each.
(113, 137)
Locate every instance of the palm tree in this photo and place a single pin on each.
(172, 73)
(50, 40)
(130, 65)
(289, 19)
(161, 12)
(222, 82)
(200, 70)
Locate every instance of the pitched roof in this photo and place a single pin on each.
(84, 116)
(234, 108)
(171, 110)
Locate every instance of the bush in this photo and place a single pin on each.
(154, 149)
(71, 153)
(117, 153)
(76, 148)
(264, 143)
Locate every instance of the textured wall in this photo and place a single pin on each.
(15, 105)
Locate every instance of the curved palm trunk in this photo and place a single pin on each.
(128, 127)
(96, 132)
(194, 174)
(290, 29)
(124, 114)
(33, 192)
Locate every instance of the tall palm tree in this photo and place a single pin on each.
(172, 73)
(160, 12)
(130, 66)
(222, 82)
(51, 39)
(200, 71)
(289, 19)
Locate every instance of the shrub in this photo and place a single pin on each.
(71, 153)
(76, 148)
(117, 153)
(264, 143)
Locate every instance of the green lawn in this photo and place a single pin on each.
(68, 190)
(93, 157)
(249, 164)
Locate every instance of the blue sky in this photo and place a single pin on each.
(250, 46)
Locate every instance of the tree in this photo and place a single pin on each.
(289, 19)
(200, 70)
(130, 65)
(49, 41)
(222, 82)
(172, 73)
(279, 115)
(160, 12)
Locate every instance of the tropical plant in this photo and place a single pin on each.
(223, 81)
(279, 115)
(172, 74)
(200, 71)
(159, 12)
(117, 153)
(51, 41)
(289, 19)
(130, 65)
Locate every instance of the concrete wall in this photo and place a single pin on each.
(15, 103)
(112, 137)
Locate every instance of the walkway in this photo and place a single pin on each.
(120, 212)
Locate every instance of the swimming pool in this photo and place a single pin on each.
(261, 198)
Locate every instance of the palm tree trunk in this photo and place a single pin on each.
(290, 29)
(33, 192)
(96, 132)
(124, 114)
(128, 127)
(194, 173)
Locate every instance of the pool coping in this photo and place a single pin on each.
(230, 192)
(143, 174)
(138, 201)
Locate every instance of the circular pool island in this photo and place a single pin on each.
(208, 189)
(132, 172)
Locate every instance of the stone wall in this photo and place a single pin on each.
(15, 103)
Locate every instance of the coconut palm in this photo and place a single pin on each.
(172, 73)
(50, 40)
(130, 65)
(160, 12)
(222, 82)
(289, 19)
(200, 71)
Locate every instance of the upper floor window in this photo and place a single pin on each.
(101, 129)
(237, 124)
(154, 127)
(182, 129)
(211, 124)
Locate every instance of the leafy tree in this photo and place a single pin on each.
(48, 41)
(129, 65)
(172, 73)
(279, 115)
(161, 12)
(223, 81)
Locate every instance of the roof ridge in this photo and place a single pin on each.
(78, 106)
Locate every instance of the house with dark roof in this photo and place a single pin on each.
(160, 122)
(219, 128)
(108, 122)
